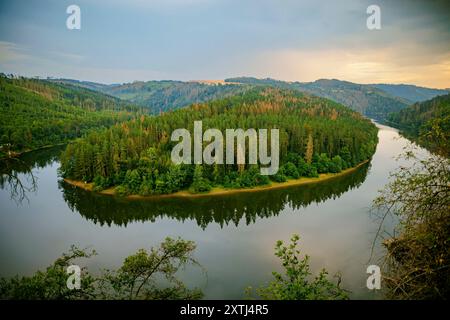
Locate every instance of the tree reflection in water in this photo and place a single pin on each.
(223, 209)
(16, 174)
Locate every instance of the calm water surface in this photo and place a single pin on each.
(235, 234)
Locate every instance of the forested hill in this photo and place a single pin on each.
(367, 100)
(37, 113)
(374, 101)
(410, 92)
(427, 122)
(316, 136)
(161, 96)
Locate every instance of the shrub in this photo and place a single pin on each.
(296, 283)
(147, 275)
(121, 191)
(290, 170)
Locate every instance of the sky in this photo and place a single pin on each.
(292, 40)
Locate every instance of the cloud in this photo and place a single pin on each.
(201, 39)
(11, 52)
(18, 60)
(362, 66)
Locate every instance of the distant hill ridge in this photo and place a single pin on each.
(375, 101)
(411, 92)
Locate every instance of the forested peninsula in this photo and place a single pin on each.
(316, 136)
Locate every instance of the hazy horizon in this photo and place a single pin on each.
(204, 80)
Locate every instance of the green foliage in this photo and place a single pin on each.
(136, 154)
(418, 260)
(435, 135)
(132, 181)
(369, 100)
(290, 170)
(138, 275)
(346, 157)
(147, 275)
(336, 164)
(100, 183)
(38, 113)
(296, 283)
(200, 184)
(162, 96)
(306, 169)
(121, 191)
(236, 209)
(251, 178)
(51, 284)
(279, 176)
(323, 163)
(428, 123)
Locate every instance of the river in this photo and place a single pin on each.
(235, 234)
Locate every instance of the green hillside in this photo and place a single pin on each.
(369, 101)
(428, 123)
(38, 113)
(160, 96)
(410, 92)
(374, 101)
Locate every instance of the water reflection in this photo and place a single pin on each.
(223, 210)
(17, 176)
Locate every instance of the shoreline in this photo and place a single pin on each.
(218, 191)
(15, 154)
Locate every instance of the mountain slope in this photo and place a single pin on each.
(370, 101)
(170, 95)
(367, 100)
(427, 122)
(37, 113)
(83, 84)
(164, 95)
(410, 92)
(374, 101)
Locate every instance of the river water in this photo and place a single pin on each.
(235, 234)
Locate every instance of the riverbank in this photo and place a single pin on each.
(217, 191)
(14, 154)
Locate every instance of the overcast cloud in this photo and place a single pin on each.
(122, 41)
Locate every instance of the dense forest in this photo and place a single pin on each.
(427, 123)
(316, 136)
(37, 113)
(374, 101)
(160, 96)
(365, 99)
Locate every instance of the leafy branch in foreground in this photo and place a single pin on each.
(143, 275)
(51, 284)
(137, 278)
(296, 283)
(417, 264)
